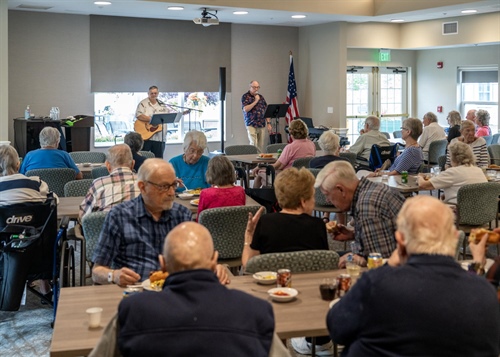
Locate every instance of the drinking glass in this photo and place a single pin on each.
(328, 289)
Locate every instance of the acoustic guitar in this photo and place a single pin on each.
(146, 130)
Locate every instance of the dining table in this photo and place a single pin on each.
(305, 315)
(394, 181)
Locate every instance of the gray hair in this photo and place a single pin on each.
(415, 126)
(329, 142)
(119, 155)
(461, 154)
(335, 172)
(49, 136)
(431, 116)
(455, 118)
(9, 160)
(134, 140)
(373, 122)
(220, 171)
(196, 137)
(483, 117)
(149, 167)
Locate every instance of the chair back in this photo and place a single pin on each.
(297, 262)
(77, 188)
(302, 162)
(99, 172)
(442, 161)
(147, 154)
(398, 134)
(477, 204)
(241, 150)
(494, 139)
(437, 148)
(351, 157)
(319, 197)
(494, 152)
(273, 148)
(387, 135)
(488, 140)
(55, 178)
(87, 156)
(92, 225)
(379, 154)
(316, 144)
(227, 226)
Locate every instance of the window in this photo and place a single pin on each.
(375, 91)
(115, 115)
(478, 89)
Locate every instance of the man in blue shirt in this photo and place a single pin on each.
(133, 232)
(254, 107)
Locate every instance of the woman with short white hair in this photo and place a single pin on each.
(477, 144)
(462, 172)
(329, 142)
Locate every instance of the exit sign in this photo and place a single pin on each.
(384, 55)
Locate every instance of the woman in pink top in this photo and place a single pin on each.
(482, 121)
(300, 147)
(223, 193)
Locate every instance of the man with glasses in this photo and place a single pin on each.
(254, 107)
(133, 232)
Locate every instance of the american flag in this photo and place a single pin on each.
(291, 96)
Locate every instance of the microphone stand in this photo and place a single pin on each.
(189, 112)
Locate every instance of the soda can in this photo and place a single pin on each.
(375, 260)
(284, 279)
(404, 177)
(344, 284)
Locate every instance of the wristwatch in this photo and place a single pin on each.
(110, 276)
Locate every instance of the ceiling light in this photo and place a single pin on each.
(469, 11)
(240, 12)
(298, 16)
(175, 8)
(397, 20)
(101, 3)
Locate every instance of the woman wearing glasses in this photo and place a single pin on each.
(191, 166)
(477, 144)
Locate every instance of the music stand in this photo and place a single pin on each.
(276, 111)
(162, 118)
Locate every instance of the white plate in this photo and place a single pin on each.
(185, 196)
(191, 192)
(291, 294)
(146, 284)
(265, 277)
(195, 202)
(333, 302)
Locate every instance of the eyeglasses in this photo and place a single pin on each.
(404, 128)
(255, 87)
(197, 152)
(165, 188)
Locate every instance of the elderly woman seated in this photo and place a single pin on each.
(301, 146)
(223, 193)
(483, 122)
(191, 167)
(329, 142)
(477, 144)
(135, 142)
(462, 172)
(49, 156)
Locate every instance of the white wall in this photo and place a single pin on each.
(4, 70)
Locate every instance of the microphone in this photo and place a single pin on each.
(160, 102)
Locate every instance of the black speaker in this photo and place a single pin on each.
(222, 83)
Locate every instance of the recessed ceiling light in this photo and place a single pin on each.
(397, 20)
(101, 3)
(298, 16)
(469, 11)
(175, 8)
(240, 12)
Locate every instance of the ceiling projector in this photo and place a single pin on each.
(205, 19)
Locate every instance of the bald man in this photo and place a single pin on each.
(194, 315)
(425, 304)
(121, 184)
(133, 232)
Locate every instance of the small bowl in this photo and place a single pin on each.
(265, 277)
(185, 196)
(282, 294)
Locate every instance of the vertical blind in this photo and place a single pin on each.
(131, 54)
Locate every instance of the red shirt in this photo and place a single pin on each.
(214, 197)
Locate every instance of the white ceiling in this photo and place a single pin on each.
(409, 10)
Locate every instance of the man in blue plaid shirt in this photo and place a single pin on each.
(374, 207)
(133, 232)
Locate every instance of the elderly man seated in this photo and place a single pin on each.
(133, 232)
(194, 315)
(370, 135)
(423, 303)
(49, 156)
(121, 184)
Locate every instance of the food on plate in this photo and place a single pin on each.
(426, 177)
(157, 278)
(267, 277)
(281, 293)
(493, 166)
(195, 202)
(331, 227)
(266, 156)
(195, 191)
(477, 234)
